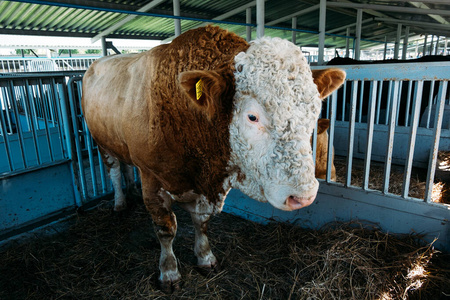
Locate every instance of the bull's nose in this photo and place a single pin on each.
(294, 202)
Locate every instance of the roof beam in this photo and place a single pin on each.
(410, 10)
(299, 13)
(425, 6)
(444, 27)
(222, 16)
(125, 20)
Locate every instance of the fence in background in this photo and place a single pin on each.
(14, 65)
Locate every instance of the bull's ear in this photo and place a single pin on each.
(204, 88)
(328, 80)
(322, 125)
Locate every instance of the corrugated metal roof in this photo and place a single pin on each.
(89, 18)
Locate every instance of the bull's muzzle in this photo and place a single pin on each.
(294, 202)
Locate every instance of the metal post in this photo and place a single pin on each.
(416, 52)
(397, 41)
(431, 45)
(176, 12)
(322, 20)
(385, 47)
(248, 20)
(259, 18)
(445, 46)
(436, 49)
(347, 42)
(104, 48)
(358, 34)
(425, 45)
(294, 33)
(405, 43)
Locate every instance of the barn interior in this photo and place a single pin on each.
(379, 231)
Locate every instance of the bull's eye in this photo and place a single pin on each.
(252, 118)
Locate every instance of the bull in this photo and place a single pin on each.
(204, 114)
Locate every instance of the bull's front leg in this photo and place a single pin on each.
(165, 225)
(205, 257)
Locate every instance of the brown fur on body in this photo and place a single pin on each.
(148, 120)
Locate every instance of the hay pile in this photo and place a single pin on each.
(441, 188)
(105, 256)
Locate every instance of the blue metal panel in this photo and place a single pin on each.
(35, 194)
(337, 203)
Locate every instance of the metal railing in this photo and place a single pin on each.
(15, 65)
(405, 124)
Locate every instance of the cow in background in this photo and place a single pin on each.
(322, 151)
(204, 114)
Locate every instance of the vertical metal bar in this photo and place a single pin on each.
(13, 98)
(385, 48)
(322, 20)
(361, 100)
(102, 173)
(344, 100)
(408, 103)
(391, 91)
(347, 42)
(294, 33)
(351, 132)
(399, 101)
(380, 92)
(314, 144)
(359, 13)
(57, 117)
(332, 117)
(78, 149)
(248, 20)
(4, 134)
(405, 42)
(89, 146)
(32, 109)
(260, 18)
(176, 12)
(412, 138)
(437, 134)
(397, 41)
(391, 132)
(64, 125)
(44, 101)
(425, 45)
(430, 103)
(370, 127)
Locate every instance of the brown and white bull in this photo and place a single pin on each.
(204, 114)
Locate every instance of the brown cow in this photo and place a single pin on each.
(204, 114)
(322, 151)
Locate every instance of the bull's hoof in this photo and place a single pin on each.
(209, 270)
(170, 287)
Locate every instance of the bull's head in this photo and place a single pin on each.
(277, 102)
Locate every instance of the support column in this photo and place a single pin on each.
(358, 34)
(405, 43)
(259, 18)
(425, 45)
(445, 46)
(347, 42)
(176, 12)
(431, 45)
(436, 49)
(397, 41)
(385, 48)
(322, 20)
(416, 52)
(248, 20)
(104, 48)
(294, 33)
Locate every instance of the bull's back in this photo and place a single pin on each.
(113, 101)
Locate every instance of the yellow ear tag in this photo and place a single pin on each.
(199, 89)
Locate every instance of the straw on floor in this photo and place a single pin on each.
(105, 256)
